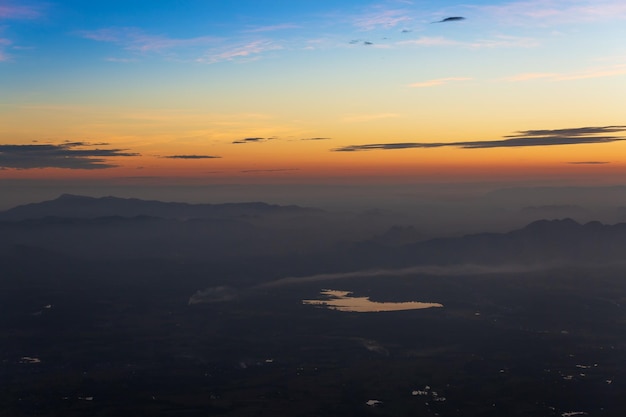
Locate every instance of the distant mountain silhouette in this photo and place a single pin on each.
(543, 241)
(305, 239)
(111, 227)
(540, 241)
(75, 206)
(399, 235)
(540, 196)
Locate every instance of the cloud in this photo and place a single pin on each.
(247, 50)
(207, 49)
(3, 44)
(272, 28)
(191, 157)
(368, 117)
(551, 12)
(253, 140)
(134, 39)
(611, 71)
(589, 162)
(12, 11)
(431, 41)
(122, 60)
(381, 18)
(69, 155)
(438, 81)
(225, 293)
(270, 170)
(531, 76)
(9, 10)
(427, 269)
(316, 139)
(214, 295)
(573, 136)
(576, 131)
(360, 42)
(501, 41)
(450, 19)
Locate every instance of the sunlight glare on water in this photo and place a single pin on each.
(343, 301)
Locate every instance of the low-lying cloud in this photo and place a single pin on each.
(225, 293)
(426, 269)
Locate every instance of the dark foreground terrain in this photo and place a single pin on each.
(120, 339)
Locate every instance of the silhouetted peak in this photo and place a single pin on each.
(73, 197)
(553, 225)
(594, 225)
(76, 206)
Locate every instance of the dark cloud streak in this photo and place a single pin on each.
(251, 171)
(589, 162)
(252, 140)
(64, 156)
(450, 19)
(575, 136)
(192, 157)
(578, 131)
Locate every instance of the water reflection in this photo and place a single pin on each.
(343, 301)
(29, 359)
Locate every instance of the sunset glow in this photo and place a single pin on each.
(313, 91)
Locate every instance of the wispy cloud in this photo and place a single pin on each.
(611, 71)
(69, 155)
(501, 41)
(438, 81)
(381, 18)
(555, 11)
(208, 49)
(4, 43)
(572, 136)
(316, 139)
(368, 117)
(191, 157)
(430, 41)
(273, 28)
(531, 76)
(122, 60)
(254, 171)
(10, 10)
(134, 39)
(414, 270)
(589, 162)
(246, 50)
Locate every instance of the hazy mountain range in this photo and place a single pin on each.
(114, 228)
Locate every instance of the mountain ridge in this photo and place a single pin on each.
(71, 205)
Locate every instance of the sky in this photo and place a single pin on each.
(295, 92)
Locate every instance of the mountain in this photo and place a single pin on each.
(541, 241)
(112, 227)
(545, 241)
(75, 206)
(305, 239)
(541, 196)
